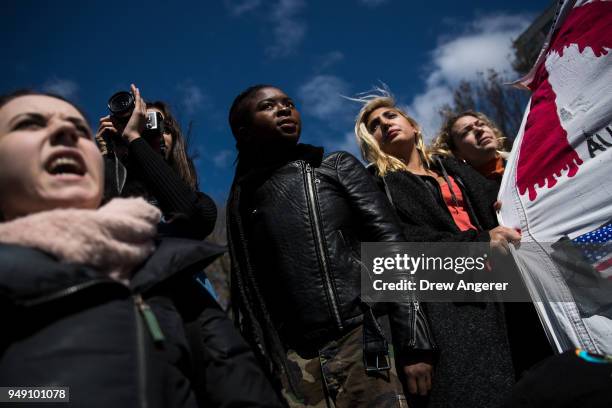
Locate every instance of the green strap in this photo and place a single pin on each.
(150, 320)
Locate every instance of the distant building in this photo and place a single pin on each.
(527, 46)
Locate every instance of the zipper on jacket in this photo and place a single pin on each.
(149, 318)
(142, 313)
(417, 311)
(413, 323)
(310, 189)
(141, 354)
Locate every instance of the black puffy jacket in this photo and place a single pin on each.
(68, 325)
(298, 230)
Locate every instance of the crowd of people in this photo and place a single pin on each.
(102, 248)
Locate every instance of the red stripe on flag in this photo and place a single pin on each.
(604, 265)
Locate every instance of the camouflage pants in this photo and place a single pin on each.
(336, 378)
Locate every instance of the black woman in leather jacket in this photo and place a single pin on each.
(443, 200)
(296, 221)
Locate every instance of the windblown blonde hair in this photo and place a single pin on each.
(370, 151)
(443, 144)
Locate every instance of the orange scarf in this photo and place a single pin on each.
(493, 169)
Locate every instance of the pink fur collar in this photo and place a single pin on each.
(113, 239)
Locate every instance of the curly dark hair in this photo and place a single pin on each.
(443, 144)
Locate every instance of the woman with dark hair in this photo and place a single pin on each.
(443, 200)
(91, 298)
(177, 156)
(158, 169)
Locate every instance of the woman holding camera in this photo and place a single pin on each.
(91, 298)
(155, 165)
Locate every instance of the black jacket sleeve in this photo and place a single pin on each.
(382, 225)
(412, 337)
(194, 213)
(231, 374)
(378, 220)
(411, 331)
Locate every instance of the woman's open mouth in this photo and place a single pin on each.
(66, 163)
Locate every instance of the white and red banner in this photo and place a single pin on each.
(558, 183)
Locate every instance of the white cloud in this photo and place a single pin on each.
(192, 98)
(425, 106)
(328, 60)
(321, 97)
(348, 144)
(239, 7)
(372, 3)
(223, 158)
(485, 44)
(288, 30)
(63, 87)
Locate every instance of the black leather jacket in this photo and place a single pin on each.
(303, 224)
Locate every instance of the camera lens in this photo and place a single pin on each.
(121, 104)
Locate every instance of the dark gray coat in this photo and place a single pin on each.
(67, 324)
(474, 368)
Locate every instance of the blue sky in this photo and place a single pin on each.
(198, 55)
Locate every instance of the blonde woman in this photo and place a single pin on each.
(441, 199)
(472, 137)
